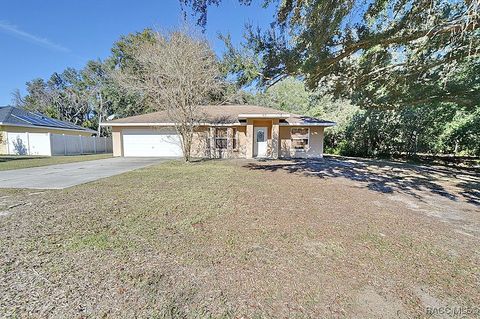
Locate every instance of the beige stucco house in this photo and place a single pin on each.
(225, 131)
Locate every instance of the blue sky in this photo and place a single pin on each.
(38, 38)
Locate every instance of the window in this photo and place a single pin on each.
(300, 138)
(220, 138)
(260, 136)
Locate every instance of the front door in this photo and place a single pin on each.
(260, 142)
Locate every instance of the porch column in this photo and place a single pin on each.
(211, 141)
(275, 138)
(229, 142)
(249, 137)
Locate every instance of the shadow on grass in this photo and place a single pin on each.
(382, 176)
(471, 191)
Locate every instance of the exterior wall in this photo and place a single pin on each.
(19, 129)
(3, 141)
(315, 143)
(117, 141)
(249, 139)
(200, 144)
(242, 142)
(275, 138)
(202, 141)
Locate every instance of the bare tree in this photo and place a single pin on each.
(176, 72)
(17, 98)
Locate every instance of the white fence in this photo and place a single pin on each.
(56, 144)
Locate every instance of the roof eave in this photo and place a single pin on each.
(168, 124)
(48, 127)
(324, 124)
(263, 115)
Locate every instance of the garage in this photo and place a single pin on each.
(151, 143)
(30, 133)
(26, 143)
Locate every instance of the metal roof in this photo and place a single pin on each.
(10, 115)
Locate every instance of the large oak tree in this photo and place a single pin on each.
(380, 53)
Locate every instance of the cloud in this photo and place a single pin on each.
(15, 31)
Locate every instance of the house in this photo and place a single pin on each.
(226, 131)
(30, 133)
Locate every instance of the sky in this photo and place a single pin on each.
(38, 38)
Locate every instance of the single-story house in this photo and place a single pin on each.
(226, 131)
(30, 133)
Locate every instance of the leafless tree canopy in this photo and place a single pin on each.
(176, 72)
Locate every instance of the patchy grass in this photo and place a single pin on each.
(15, 162)
(227, 239)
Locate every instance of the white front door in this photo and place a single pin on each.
(260, 142)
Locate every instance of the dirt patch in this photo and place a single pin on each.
(370, 304)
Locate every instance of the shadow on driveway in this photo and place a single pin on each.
(385, 176)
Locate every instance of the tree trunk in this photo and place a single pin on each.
(100, 115)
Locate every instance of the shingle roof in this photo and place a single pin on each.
(224, 114)
(10, 115)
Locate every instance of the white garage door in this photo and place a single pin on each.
(39, 144)
(152, 142)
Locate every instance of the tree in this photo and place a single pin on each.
(17, 98)
(123, 58)
(96, 78)
(88, 96)
(176, 72)
(64, 96)
(381, 54)
(288, 95)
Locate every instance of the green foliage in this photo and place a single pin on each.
(379, 54)
(88, 96)
(462, 134)
(411, 131)
(64, 96)
(123, 58)
(439, 129)
(287, 95)
(241, 64)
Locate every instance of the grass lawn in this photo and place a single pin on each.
(24, 161)
(333, 238)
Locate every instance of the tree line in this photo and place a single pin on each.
(90, 95)
(371, 132)
(398, 77)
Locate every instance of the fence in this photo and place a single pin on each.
(56, 144)
(73, 144)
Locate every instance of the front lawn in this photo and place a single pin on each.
(8, 162)
(244, 238)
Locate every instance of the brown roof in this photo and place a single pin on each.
(225, 114)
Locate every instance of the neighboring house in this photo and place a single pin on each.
(28, 133)
(227, 131)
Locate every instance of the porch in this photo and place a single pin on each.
(264, 138)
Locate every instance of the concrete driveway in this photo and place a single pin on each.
(71, 174)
